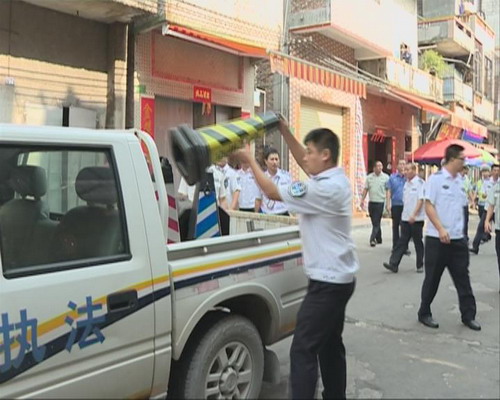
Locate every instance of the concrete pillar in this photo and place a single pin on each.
(117, 76)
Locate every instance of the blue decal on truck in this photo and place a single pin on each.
(90, 325)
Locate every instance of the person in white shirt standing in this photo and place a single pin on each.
(324, 206)
(412, 220)
(280, 178)
(186, 191)
(249, 189)
(445, 245)
(231, 183)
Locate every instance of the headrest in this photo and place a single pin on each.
(96, 185)
(28, 180)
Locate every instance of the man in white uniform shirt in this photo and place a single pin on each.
(493, 213)
(445, 245)
(323, 204)
(187, 191)
(231, 183)
(249, 189)
(280, 178)
(412, 220)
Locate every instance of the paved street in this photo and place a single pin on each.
(391, 355)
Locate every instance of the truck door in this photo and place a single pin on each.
(76, 313)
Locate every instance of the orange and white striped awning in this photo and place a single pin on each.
(302, 69)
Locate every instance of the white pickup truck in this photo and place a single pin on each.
(93, 303)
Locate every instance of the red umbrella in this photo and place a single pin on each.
(435, 151)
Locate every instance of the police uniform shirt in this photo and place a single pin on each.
(483, 187)
(231, 183)
(186, 190)
(494, 200)
(413, 191)
(323, 204)
(249, 189)
(447, 194)
(377, 186)
(220, 189)
(280, 179)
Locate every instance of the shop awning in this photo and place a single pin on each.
(422, 103)
(215, 41)
(472, 127)
(302, 69)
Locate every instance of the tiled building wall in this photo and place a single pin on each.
(303, 89)
(318, 48)
(395, 118)
(177, 87)
(53, 67)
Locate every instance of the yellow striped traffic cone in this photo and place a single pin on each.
(195, 150)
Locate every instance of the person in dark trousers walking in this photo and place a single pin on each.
(394, 201)
(468, 193)
(493, 209)
(376, 186)
(484, 188)
(323, 203)
(445, 246)
(412, 220)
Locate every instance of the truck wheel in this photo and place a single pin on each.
(228, 362)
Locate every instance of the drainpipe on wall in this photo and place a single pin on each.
(129, 94)
(284, 87)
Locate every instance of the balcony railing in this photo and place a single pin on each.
(452, 36)
(454, 90)
(406, 77)
(484, 109)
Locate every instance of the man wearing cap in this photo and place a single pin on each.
(493, 203)
(445, 246)
(483, 188)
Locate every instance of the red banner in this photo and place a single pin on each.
(148, 115)
(202, 95)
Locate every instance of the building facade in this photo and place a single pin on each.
(459, 32)
(65, 62)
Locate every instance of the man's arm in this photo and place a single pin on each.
(294, 145)
(430, 210)
(388, 195)
(416, 211)
(236, 199)
(489, 216)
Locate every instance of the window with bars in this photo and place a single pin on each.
(478, 68)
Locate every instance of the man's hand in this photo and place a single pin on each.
(243, 155)
(487, 227)
(411, 220)
(444, 236)
(283, 124)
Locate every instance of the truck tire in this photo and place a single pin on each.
(227, 362)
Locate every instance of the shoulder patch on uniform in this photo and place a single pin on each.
(297, 189)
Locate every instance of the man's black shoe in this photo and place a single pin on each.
(391, 267)
(373, 243)
(407, 252)
(472, 324)
(379, 241)
(475, 251)
(420, 270)
(428, 321)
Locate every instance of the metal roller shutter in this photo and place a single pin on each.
(314, 114)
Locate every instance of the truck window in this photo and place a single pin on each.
(64, 210)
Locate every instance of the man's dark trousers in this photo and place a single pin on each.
(455, 256)
(396, 212)
(480, 234)
(409, 231)
(376, 210)
(318, 334)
